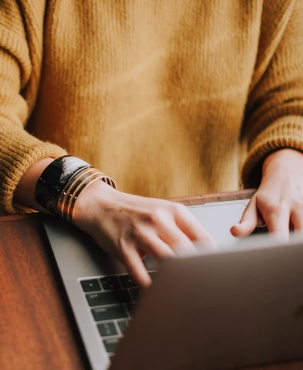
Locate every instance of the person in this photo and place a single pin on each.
(168, 98)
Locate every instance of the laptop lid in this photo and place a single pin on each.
(226, 310)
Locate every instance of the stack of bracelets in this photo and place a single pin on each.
(61, 183)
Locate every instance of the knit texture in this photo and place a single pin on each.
(169, 98)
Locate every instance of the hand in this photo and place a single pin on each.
(279, 200)
(130, 226)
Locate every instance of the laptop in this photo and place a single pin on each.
(107, 304)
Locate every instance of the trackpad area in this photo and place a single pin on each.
(218, 218)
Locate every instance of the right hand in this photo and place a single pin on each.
(130, 227)
(125, 225)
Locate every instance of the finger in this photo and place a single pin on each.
(277, 221)
(171, 237)
(154, 246)
(179, 242)
(192, 228)
(296, 219)
(136, 268)
(248, 222)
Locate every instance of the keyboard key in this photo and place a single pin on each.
(127, 282)
(107, 328)
(123, 324)
(111, 344)
(109, 313)
(136, 294)
(104, 298)
(110, 283)
(91, 285)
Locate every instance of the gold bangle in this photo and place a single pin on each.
(69, 188)
(74, 187)
(79, 187)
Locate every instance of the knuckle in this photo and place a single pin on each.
(273, 206)
(157, 216)
(163, 212)
(179, 208)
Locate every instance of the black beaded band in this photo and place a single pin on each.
(55, 177)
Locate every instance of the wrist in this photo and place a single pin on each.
(24, 194)
(94, 202)
(61, 183)
(281, 158)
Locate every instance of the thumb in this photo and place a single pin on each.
(248, 222)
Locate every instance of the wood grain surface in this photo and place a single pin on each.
(37, 329)
(36, 325)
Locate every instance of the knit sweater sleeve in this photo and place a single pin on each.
(274, 115)
(20, 64)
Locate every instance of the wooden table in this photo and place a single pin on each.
(37, 328)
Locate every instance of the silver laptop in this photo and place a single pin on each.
(228, 292)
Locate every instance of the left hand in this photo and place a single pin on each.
(279, 199)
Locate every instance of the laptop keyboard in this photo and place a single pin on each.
(111, 300)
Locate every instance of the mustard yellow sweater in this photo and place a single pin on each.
(169, 98)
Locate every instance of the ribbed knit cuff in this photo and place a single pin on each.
(287, 132)
(18, 151)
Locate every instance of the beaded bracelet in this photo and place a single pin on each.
(61, 183)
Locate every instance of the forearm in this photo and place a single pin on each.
(274, 112)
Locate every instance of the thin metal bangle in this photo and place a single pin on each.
(70, 190)
(81, 186)
(69, 187)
